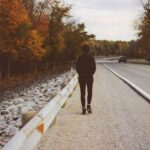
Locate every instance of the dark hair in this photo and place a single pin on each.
(86, 48)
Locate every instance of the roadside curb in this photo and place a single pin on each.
(141, 92)
(29, 136)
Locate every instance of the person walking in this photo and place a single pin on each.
(86, 67)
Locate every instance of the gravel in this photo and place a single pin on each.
(14, 104)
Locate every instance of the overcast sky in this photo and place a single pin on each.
(108, 19)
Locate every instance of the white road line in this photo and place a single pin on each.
(136, 88)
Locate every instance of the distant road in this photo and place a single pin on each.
(138, 74)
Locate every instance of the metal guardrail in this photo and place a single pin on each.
(28, 137)
(132, 85)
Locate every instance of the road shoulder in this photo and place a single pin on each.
(120, 119)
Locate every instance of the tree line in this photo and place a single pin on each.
(139, 48)
(130, 49)
(41, 35)
(38, 36)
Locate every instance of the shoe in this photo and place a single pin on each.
(83, 111)
(89, 108)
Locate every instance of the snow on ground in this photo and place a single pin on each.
(33, 98)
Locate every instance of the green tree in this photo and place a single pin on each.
(75, 35)
(55, 42)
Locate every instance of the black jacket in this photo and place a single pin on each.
(86, 66)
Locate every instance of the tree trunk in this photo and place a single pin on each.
(8, 68)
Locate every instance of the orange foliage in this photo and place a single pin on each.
(42, 27)
(31, 49)
(12, 15)
(17, 38)
(34, 43)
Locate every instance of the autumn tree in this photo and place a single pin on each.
(17, 39)
(144, 29)
(13, 25)
(37, 34)
(75, 35)
(29, 5)
(55, 42)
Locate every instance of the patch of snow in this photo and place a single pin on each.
(14, 104)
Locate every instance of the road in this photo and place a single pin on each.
(120, 119)
(138, 74)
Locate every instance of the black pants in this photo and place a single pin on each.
(83, 84)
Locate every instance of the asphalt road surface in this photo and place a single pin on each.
(120, 119)
(137, 74)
